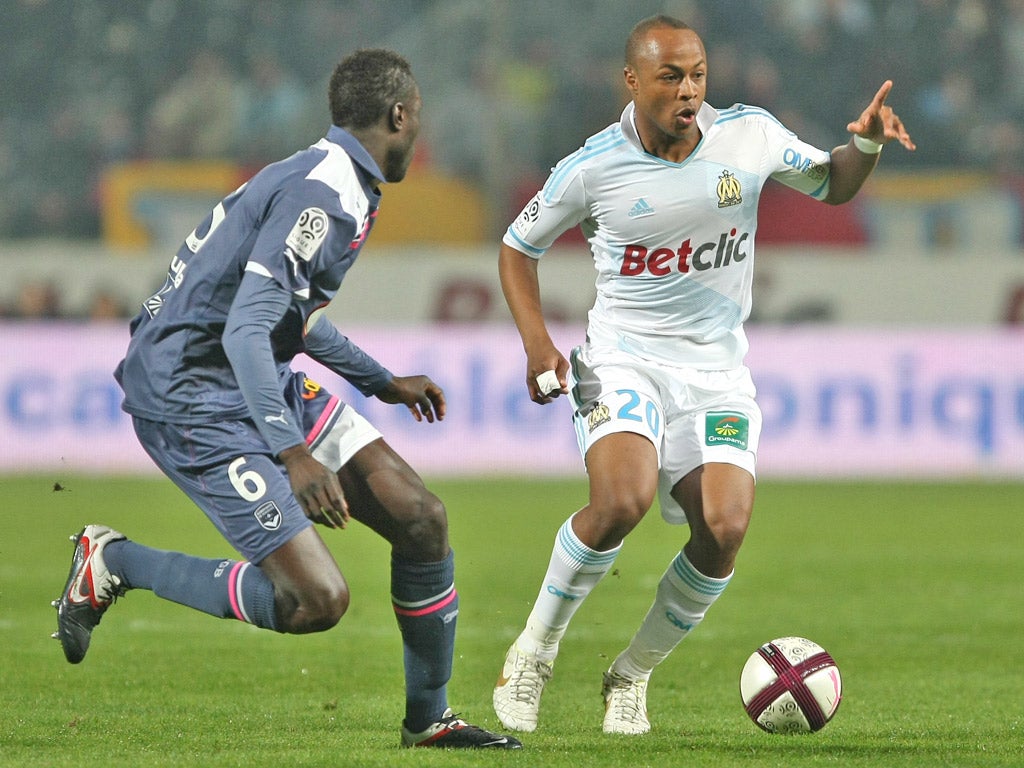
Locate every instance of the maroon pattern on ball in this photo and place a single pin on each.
(790, 677)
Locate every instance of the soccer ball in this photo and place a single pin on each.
(791, 685)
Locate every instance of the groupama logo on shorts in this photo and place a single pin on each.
(726, 428)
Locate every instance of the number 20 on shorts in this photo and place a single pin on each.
(641, 409)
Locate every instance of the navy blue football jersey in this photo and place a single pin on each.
(300, 222)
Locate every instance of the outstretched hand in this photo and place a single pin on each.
(879, 123)
(419, 394)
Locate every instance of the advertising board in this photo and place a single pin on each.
(837, 402)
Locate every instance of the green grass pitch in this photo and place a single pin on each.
(916, 589)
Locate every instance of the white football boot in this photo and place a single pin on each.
(517, 692)
(625, 704)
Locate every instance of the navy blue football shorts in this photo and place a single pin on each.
(230, 473)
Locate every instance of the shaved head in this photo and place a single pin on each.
(636, 39)
(666, 76)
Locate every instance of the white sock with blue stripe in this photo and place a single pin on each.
(684, 596)
(574, 570)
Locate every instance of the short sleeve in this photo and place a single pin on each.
(796, 163)
(557, 207)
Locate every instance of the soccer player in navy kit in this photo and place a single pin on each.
(266, 452)
(662, 403)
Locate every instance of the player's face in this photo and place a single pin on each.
(668, 82)
(403, 142)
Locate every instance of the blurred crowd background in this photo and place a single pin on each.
(87, 83)
(889, 329)
(89, 86)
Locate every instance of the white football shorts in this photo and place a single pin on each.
(692, 417)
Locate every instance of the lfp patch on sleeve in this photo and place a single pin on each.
(525, 221)
(726, 428)
(308, 233)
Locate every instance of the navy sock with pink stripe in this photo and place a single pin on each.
(426, 605)
(227, 589)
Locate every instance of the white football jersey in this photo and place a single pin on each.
(673, 243)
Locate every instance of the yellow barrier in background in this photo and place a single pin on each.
(140, 198)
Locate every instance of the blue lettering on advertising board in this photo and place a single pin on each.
(89, 401)
(908, 397)
(975, 409)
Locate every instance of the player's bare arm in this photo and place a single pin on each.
(521, 286)
(852, 163)
(316, 487)
(423, 398)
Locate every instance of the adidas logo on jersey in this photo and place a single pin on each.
(642, 208)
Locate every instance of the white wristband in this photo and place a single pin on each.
(867, 146)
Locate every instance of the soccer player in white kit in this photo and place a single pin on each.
(667, 198)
